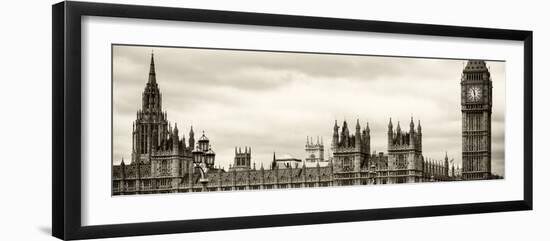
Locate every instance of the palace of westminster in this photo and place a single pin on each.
(164, 162)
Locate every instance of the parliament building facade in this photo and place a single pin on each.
(164, 161)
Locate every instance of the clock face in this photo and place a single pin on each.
(474, 94)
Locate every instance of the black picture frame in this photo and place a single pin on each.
(66, 120)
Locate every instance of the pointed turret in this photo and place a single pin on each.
(446, 164)
(175, 137)
(419, 128)
(344, 136)
(151, 100)
(335, 135)
(345, 128)
(357, 135)
(411, 125)
(191, 139)
(152, 74)
(366, 139)
(390, 133)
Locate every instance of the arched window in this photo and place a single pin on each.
(347, 163)
(164, 167)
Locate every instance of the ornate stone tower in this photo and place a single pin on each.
(150, 126)
(350, 153)
(156, 145)
(476, 100)
(315, 152)
(405, 153)
(242, 159)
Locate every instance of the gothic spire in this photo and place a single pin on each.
(335, 130)
(335, 134)
(357, 135)
(152, 75)
(191, 139)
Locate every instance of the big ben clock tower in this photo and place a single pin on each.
(476, 100)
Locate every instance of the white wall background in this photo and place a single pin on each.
(25, 55)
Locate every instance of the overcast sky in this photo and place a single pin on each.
(273, 101)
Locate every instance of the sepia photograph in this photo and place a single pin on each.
(175, 119)
(188, 119)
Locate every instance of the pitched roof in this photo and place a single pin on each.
(475, 66)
